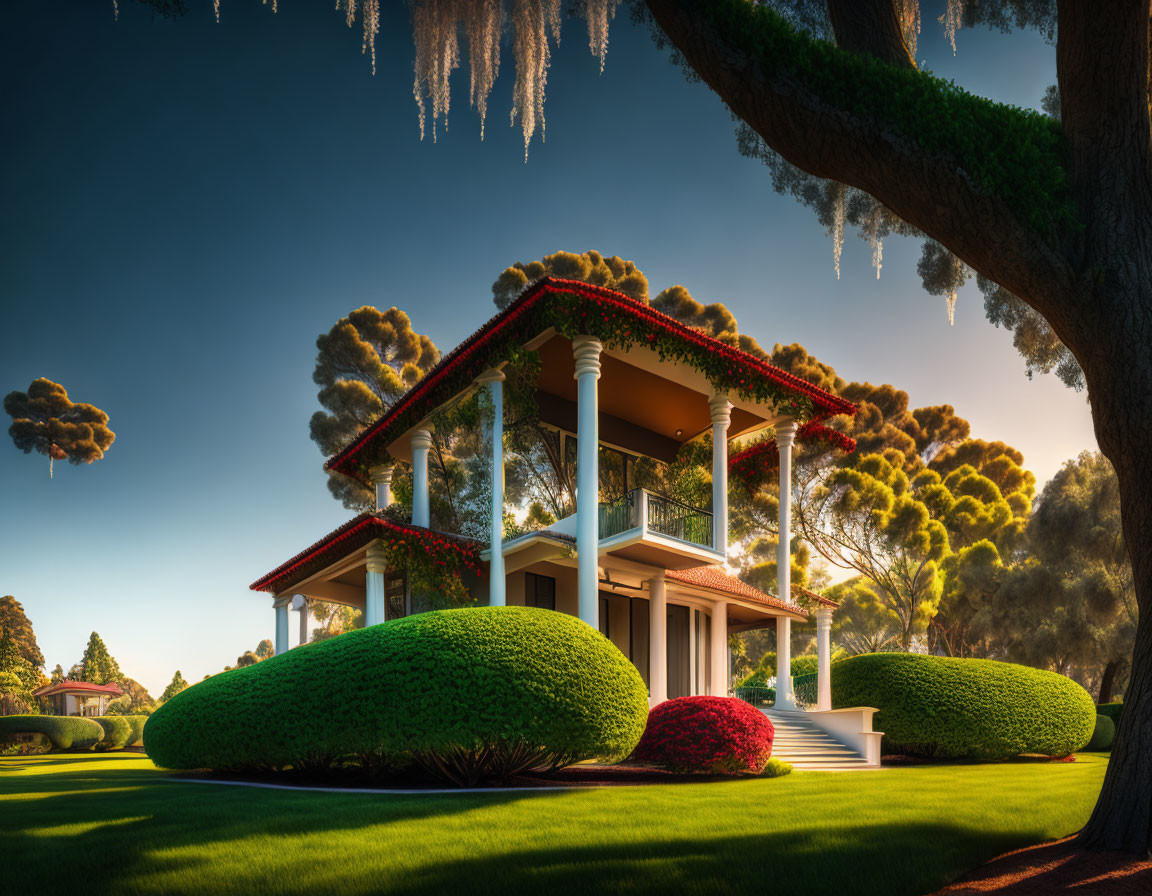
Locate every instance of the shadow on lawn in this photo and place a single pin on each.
(131, 835)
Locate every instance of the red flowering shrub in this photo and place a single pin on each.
(707, 735)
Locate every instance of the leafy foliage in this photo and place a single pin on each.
(16, 623)
(117, 732)
(45, 420)
(470, 694)
(175, 686)
(945, 707)
(363, 364)
(97, 664)
(1102, 735)
(64, 732)
(706, 735)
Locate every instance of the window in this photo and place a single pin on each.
(395, 591)
(539, 591)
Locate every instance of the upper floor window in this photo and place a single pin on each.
(395, 593)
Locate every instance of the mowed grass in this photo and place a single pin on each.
(96, 824)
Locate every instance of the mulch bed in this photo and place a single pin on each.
(585, 775)
(1057, 867)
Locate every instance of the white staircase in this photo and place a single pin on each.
(804, 744)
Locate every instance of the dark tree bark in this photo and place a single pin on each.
(1107, 682)
(1093, 284)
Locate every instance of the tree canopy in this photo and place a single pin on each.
(46, 421)
(175, 686)
(97, 664)
(16, 622)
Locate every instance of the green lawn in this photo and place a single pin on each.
(94, 824)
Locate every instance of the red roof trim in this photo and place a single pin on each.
(764, 456)
(366, 524)
(113, 690)
(714, 578)
(819, 598)
(828, 403)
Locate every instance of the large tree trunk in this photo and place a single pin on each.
(1107, 682)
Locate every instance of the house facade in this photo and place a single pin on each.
(76, 698)
(619, 383)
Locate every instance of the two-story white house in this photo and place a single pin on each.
(646, 570)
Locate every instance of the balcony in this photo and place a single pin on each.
(656, 529)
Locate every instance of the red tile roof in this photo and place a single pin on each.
(87, 687)
(715, 578)
(341, 542)
(812, 595)
(437, 386)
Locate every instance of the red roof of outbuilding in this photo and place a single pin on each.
(438, 385)
(715, 578)
(87, 687)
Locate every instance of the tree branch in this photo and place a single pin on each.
(837, 116)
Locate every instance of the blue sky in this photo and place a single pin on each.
(188, 205)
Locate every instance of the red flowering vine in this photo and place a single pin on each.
(754, 466)
(574, 308)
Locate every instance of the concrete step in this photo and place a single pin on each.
(802, 743)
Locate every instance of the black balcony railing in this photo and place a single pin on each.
(656, 513)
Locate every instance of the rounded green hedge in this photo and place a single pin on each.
(64, 732)
(1112, 710)
(117, 732)
(1103, 735)
(965, 708)
(136, 726)
(468, 693)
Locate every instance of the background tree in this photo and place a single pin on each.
(18, 677)
(18, 625)
(97, 664)
(1072, 605)
(136, 699)
(363, 364)
(175, 686)
(57, 674)
(264, 650)
(46, 421)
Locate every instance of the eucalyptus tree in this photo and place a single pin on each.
(47, 421)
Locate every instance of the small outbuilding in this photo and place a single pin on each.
(77, 698)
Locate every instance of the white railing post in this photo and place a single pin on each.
(785, 435)
(421, 508)
(375, 607)
(824, 658)
(719, 673)
(586, 352)
(494, 379)
(381, 476)
(721, 410)
(657, 640)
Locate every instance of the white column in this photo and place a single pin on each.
(824, 658)
(300, 605)
(375, 608)
(586, 351)
(719, 671)
(381, 475)
(496, 581)
(785, 436)
(281, 606)
(657, 640)
(721, 409)
(421, 442)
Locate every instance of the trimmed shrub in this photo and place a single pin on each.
(965, 708)
(1112, 710)
(136, 728)
(64, 732)
(1103, 735)
(116, 732)
(469, 694)
(706, 735)
(776, 768)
